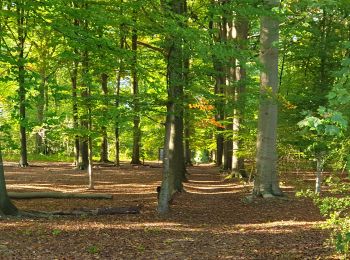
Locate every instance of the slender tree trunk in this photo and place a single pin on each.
(319, 171)
(242, 28)
(40, 136)
(104, 144)
(266, 182)
(219, 117)
(187, 113)
(136, 131)
(84, 120)
(187, 132)
(116, 129)
(6, 206)
(74, 78)
(21, 82)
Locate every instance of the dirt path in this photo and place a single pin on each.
(208, 221)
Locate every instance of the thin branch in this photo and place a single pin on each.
(13, 35)
(7, 47)
(151, 47)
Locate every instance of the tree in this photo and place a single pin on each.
(266, 182)
(242, 28)
(18, 24)
(173, 161)
(6, 206)
(136, 100)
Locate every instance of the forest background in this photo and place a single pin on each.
(88, 81)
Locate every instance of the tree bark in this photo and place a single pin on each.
(187, 133)
(173, 161)
(84, 120)
(74, 78)
(118, 82)
(266, 182)
(104, 144)
(6, 206)
(219, 117)
(40, 136)
(136, 102)
(242, 28)
(22, 86)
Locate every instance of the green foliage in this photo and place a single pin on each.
(321, 132)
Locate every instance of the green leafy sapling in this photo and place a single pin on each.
(321, 132)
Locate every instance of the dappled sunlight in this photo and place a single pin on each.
(209, 214)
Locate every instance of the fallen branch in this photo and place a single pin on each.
(57, 195)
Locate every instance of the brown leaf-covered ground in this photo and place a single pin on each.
(208, 221)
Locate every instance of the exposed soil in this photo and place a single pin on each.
(208, 221)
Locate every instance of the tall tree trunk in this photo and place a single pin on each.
(6, 206)
(187, 116)
(74, 78)
(22, 86)
(136, 102)
(84, 120)
(40, 136)
(104, 144)
(266, 182)
(220, 83)
(187, 133)
(242, 28)
(173, 161)
(116, 129)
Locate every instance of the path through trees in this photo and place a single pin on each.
(209, 220)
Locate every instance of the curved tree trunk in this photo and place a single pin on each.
(266, 182)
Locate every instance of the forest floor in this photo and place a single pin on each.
(208, 221)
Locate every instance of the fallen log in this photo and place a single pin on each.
(57, 195)
(99, 211)
(82, 212)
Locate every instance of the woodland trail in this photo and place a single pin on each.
(207, 221)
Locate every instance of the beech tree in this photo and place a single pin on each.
(6, 206)
(266, 182)
(173, 161)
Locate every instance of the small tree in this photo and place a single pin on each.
(319, 132)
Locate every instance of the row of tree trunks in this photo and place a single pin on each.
(230, 90)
